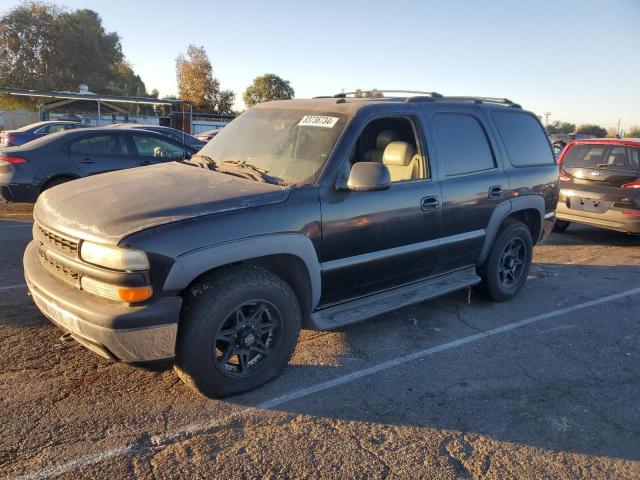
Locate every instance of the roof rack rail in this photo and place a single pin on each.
(364, 92)
(502, 101)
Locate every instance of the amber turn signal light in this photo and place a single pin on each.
(134, 294)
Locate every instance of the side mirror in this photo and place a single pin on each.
(368, 177)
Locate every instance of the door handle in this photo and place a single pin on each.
(87, 160)
(496, 192)
(430, 204)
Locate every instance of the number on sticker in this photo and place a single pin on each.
(318, 121)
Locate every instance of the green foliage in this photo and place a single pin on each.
(590, 129)
(11, 102)
(225, 99)
(560, 127)
(46, 47)
(266, 88)
(633, 132)
(368, 93)
(197, 84)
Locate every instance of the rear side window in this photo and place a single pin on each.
(602, 156)
(99, 145)
(524, 139)
(464, 147)
(57, 128)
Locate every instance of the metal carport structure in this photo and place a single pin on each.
(58, 99)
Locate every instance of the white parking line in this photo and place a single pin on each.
(13, 287)
(160, 441)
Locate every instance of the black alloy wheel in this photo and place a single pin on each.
(512, 262)
(247, 338)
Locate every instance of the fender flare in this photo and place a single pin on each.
(191, 265)
(526, 202)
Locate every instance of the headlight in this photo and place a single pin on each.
(114, 257)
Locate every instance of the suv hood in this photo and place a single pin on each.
(108, 207)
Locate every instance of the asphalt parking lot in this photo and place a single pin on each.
(545, 386)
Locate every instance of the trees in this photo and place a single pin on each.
(43, 46)
(590, 129)
(266, 88)
(368, 93)
(633, 132)
(561, 127)
(195, 78)
(197, 84)
(225, 100)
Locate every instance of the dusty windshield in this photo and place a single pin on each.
(291, 146)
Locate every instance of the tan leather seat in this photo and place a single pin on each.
(384, 138)
(402, 161)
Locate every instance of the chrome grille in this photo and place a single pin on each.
(57, 242)
(59, 269)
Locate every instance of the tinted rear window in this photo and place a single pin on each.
(524, 139)
(99, 145)
(602, 156)
(463, 144)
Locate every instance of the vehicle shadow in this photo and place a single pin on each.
(570, 386)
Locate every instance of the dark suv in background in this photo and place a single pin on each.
(600, 184)
(301, 213)
(28, 170)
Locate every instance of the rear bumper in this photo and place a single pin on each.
(611, 220)
(19, 193)
(151, 328)
(18, 186)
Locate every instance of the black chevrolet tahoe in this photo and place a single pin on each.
(299, 214)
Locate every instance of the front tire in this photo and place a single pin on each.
(238, 331)
(506, 269)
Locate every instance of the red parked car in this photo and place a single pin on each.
(600, 184)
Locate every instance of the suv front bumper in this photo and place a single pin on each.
(134, 334)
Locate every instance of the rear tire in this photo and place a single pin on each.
(561, 226)
(238, 330)
(506, 269)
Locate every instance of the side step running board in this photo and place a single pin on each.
(388, 300)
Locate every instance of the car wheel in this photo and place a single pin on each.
(506, 269)
(238, 330)
(561, 226)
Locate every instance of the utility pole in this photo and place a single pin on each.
(546, 118)
(619, 134)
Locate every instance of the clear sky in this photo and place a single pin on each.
(577, 59)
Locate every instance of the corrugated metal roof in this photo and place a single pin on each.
(89, 96)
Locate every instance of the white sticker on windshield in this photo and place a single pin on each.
(318, 121)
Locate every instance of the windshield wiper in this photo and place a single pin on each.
(602, 165)
(260, 174)
(210, 162)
